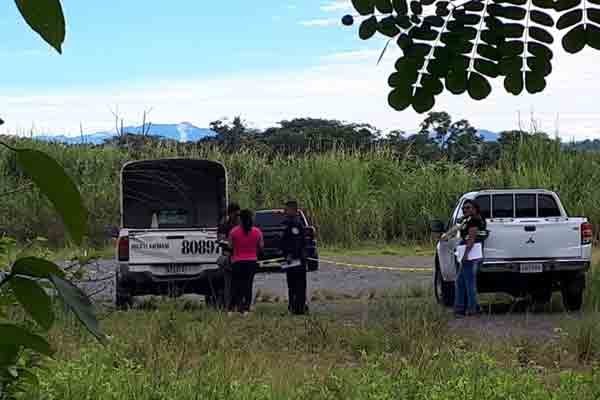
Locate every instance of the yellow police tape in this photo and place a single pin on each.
(359, 266)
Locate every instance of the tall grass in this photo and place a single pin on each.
(351, 196)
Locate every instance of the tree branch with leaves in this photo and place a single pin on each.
(460, 46)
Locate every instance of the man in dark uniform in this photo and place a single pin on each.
(293, 248)
(232, 219)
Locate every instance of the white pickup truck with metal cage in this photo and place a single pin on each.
(533, 248)
(167, 242)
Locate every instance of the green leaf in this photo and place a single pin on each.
(419, 51)
(593, 36)
(539, 66)
(534, 83)
(36, 267)
(574, 41)
(569, 19)
(46, 18)
(34, 300)
(514, 2)
(403, 21)
(423, 101)
(563, 5)
(513, 83)
(474, 5)
(400, 98)
(368, 28)
(416, 7)
(593, 15)
(469, 19)
(479, 88)
(541, 18)
(492, 37)
(52, 180)
(540, 50)
(401, 6)
(509, 12)
(488, 51)
(547, 4)
(513, 30)
(387, 27)
(384, 6)
(420, 33)
(434, 20)
(511, 65)
(456, 81)
(486, 67)
(432, 84)
(364, 7)
(511, 48)
(541, 35)
(80, 304)
(404, 41)
(9, 354)
(13, 335)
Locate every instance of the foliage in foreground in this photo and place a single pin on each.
(390, 348)
(459, 46)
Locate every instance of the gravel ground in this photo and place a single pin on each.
(333, 282)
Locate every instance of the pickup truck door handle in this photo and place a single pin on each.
(175, 237)
(530, 228)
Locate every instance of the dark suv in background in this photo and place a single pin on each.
(270, 223)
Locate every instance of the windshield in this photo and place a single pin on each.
(271, 218)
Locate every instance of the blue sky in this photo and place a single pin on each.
(266, 60)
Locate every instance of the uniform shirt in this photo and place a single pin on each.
(245, 246)
(292, 241)
(473, 221)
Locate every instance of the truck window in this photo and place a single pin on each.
(547, 206)
(484, 202)
(525, 206)
(271, 218)
(502, 206)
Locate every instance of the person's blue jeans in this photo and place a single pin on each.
(465, 298)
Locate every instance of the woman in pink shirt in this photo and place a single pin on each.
(246, 241)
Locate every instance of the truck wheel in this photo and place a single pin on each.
(572, 292)
(541, 297)
(123, 298)
(444, 291)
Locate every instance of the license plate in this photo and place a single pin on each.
(531, 268)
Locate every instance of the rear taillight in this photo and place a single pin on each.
(123, 248)
(586, 233)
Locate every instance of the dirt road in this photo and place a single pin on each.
(331, 285)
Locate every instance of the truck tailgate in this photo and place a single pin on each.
(534, 238)
(173, 247)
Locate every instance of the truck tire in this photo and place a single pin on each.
(541, 297)
(123, 298)
(444, 291)
(572, 293)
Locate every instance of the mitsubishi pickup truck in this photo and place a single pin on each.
(167, 241)
(533, 248)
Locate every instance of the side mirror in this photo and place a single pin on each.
(437, 227)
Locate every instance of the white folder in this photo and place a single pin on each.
(476, 252)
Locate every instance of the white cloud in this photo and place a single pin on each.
(347, 86)
(337, 5)
(321, 22)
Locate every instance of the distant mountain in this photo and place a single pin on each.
(183, 132)
(488, 136)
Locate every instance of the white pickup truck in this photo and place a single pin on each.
(167, 242)
(533, 248)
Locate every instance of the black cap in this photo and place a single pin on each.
(292, 204)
